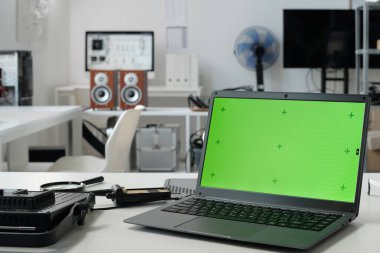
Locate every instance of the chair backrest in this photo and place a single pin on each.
(119, 143)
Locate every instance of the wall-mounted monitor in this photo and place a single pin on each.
(316, 38)
(119, 50)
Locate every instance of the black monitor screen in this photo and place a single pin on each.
(324, 38)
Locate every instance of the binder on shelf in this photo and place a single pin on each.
(182, 71)
(171, 70)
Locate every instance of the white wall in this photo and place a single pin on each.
(213, 27)
(100, 15)
(50, 52)
(50, 55)
(51, 65)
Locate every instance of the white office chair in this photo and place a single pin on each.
(117, 150)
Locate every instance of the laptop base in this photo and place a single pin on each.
(234, 230)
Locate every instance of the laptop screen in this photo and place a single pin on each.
(308, 149)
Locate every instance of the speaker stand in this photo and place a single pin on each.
(343, 79)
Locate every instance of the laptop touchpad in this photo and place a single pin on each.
(226, 228)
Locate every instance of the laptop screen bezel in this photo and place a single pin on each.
(281, 200)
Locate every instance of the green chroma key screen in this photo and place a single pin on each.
(296, 148)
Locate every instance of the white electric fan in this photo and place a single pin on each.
(256, 48)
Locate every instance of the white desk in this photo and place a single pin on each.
(153, 91)
(105, 231)
(20, 121)
(165, 112)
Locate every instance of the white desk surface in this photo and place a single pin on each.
(105, 231)
(20, 121)
(154, 111)
(17, 122)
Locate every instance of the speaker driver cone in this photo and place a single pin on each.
(131, 95)
(101, 94)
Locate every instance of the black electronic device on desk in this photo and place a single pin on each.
(36, 219)
(123, 197)
(197, 104)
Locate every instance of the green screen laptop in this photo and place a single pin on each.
(282, 169)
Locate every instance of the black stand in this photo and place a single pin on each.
(344, 79)
(259, 75)
(259, 51)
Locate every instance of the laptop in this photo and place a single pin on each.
(281, 169)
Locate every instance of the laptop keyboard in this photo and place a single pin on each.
(254, 214)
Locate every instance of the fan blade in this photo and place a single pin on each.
(243, 47)
(268, 40)
(253, 35)
(269, 58)
(251, 62)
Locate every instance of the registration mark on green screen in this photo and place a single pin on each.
(295, 148)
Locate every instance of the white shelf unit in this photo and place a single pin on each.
(361, 73)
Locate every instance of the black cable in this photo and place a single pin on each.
(93, 141)
(245, 88)
(313, 81)
(101, 131)
(103, 192)
(198, 134)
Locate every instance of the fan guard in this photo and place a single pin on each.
(256, 48)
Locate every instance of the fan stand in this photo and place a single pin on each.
(256, 49)
(259, 51)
